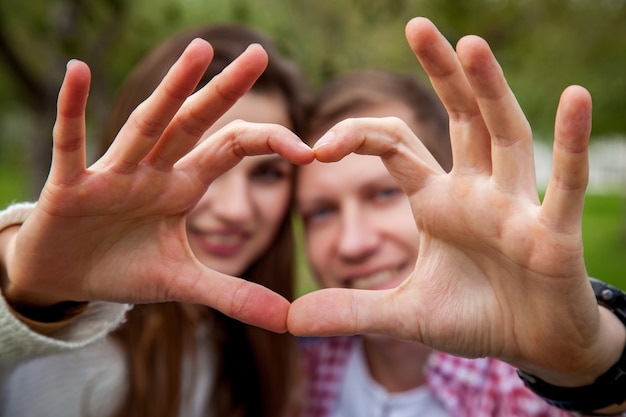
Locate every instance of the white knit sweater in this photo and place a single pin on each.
(82, 378)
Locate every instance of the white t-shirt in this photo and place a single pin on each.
(361, 396)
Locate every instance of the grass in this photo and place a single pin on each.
(604, 237)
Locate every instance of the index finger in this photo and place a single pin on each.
(404, 155)
(230, 144)
(203, 108)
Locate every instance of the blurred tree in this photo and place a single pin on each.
(37, 38)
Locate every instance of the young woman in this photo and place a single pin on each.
(171, 358)
(485, 272)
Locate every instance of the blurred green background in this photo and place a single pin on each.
(543, 46)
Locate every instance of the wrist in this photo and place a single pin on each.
(600, 387)
(7, 238)
(33, 309)
(19, 296)
(595, 360)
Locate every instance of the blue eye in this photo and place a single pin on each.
(317, 215)
(385, 194)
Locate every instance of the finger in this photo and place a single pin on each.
(69, 157)
(565, 195)
(468, 133)
(149, 120)
(202, 109)
(340, 311)
(405, 156)
(238, 298)
(513, 165)
(226, 147)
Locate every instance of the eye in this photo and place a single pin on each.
(317, 215)
(272, 172)
(385, 194)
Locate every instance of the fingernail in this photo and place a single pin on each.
(69, 63)
(326, 139)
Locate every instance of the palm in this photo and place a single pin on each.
(120, 236)
(484, 266)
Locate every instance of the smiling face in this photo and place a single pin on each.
(359, 228)
(238, 217)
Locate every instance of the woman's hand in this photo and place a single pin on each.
(116, 231)
(499, 273)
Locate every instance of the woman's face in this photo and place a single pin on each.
(237, 218)
(359, 228)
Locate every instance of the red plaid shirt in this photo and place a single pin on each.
(466, 387)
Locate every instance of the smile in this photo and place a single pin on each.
(224, 239)
(221, 244)
(387, 278)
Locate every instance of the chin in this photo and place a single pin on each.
(227, 268)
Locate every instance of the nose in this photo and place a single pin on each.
(358, 238)
(230, 199)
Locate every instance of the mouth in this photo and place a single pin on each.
(382, 279)
(222, 244)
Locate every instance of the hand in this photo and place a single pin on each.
(116, 231)
(499, 273)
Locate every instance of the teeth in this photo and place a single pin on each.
(373, 280)
(225, 240)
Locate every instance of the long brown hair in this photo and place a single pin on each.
(256, 370)
(361, 89)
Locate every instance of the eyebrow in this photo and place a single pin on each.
(271, 158)
(372, 184)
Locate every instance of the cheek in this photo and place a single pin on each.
(272, 204)
(314, 248)
(319, 251)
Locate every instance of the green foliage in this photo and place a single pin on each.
(543, 45)
(13, 178)
(604, 235)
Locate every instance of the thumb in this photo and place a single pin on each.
(340, 311)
